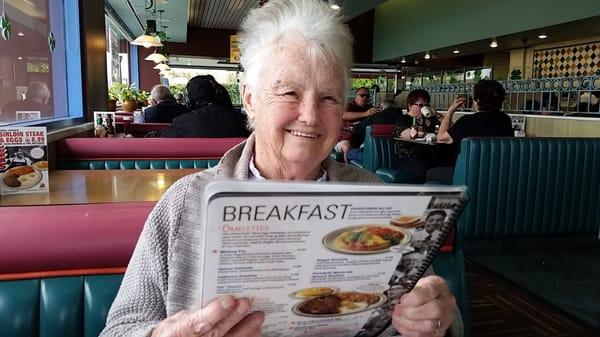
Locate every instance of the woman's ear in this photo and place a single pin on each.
(247, 101)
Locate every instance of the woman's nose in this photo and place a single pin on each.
(309, 112)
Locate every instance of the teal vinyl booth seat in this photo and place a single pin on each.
(61, 266)
(531, 199)
(537, 187)
(141, 153)
(379, 155)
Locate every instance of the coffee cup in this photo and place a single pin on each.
(426, 111)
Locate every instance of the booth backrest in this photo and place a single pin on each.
(379, 154)
(141, 153)
(520, 187)
(61, 266)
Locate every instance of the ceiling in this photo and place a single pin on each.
(175, 16)
(445, 58)
(218, 14)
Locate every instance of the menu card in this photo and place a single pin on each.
(322, 259)
(23, 160)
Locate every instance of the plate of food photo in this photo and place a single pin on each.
(407, 221)
(339, 304)
(365, 239)
(41, 165)
(21, 178)
(313, 292)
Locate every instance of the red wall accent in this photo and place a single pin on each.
(204, 42)
(148, 76)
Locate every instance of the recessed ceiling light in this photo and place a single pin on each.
(21, 34)
(403, 60)
(456, 51)
(427, 56)
(494, 43)
(542, 36)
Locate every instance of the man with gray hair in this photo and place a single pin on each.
(164, 107)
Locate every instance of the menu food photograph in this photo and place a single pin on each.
(23, 160)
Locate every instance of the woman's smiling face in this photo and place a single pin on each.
(297, 108)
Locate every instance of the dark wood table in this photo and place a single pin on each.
(100, 186)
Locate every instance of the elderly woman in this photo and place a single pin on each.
(296, 55)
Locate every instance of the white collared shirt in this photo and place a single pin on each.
(254, 174)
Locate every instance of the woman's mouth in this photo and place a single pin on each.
(303, 134)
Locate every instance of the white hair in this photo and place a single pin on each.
(321, 26)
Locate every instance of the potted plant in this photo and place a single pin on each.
(128, 96)
(113, 96)
(142, 98)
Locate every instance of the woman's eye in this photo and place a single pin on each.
(330, 99)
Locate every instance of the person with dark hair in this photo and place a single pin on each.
(164, 108)
(488, 121)
(212, 114)
(415, 159)
(352, 148)
(359, 108)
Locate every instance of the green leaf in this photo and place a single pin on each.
(51, 42)
(5, 26)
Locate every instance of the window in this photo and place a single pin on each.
(228, 78)
(33, 67)
(117, 53)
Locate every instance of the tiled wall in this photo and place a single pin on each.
(575, 60)
(523, 58)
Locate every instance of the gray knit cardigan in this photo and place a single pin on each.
(162, 275)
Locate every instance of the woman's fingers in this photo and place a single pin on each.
(250, 326)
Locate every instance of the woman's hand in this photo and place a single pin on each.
(427, 311)
(457, 104)
(223, 317)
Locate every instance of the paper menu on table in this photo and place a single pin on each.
(323, 260)
(23, 160)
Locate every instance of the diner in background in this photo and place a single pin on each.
(352, 148)
(415, 159)
(296, 55)
(488, 121)
(359, 108)
(163, 106)
(212, 114)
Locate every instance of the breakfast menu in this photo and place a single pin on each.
(322, 259)
(23, 160)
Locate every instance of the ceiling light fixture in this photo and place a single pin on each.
(456, 51)
(542, 36)
(149, 38)
(494, 44)
(147, 41)
(427, 56)
(403, 60)
(156, 57)
(162, 66)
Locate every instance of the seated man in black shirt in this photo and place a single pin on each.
(352, 148)
(165, 108)
(359, 108)
(488, 121)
